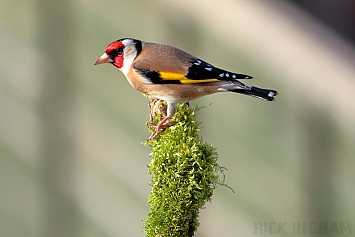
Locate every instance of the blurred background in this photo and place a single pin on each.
(71, 158)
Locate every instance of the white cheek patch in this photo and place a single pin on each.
(129, 54)
(127, 63)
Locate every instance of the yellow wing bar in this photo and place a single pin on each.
(184, 80)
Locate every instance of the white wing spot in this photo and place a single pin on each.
(208, 68)
(227, 75)
(248, 87)
(221, 75)
(247, 77)
(271, 94)
(198, 62)
(234, 76)
(146, 80)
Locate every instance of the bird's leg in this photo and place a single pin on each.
(153, 109)
(166, 111)
(161, 126)
(156, 108)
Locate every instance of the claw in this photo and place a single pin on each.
(161, 126)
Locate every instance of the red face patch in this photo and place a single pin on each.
(118, 61)
(115, 52)
(113, 46)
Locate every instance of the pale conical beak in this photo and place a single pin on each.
(103, 59)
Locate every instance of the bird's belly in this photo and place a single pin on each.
(179, 93)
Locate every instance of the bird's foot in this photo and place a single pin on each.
(158, 128)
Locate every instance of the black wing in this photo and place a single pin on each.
(200, 70)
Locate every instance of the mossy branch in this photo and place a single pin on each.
(184, 174)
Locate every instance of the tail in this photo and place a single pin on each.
(264, 94)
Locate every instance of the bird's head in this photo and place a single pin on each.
(121, 53)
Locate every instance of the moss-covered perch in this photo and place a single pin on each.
(184, 174)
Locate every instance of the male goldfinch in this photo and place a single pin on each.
(172, 75)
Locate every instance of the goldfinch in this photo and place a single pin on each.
(170, 74)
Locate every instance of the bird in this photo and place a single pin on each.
(173, 75)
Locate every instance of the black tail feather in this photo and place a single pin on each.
(264, 94)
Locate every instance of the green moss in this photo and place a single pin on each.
(184, 175)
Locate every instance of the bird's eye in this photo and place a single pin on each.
(119, 51)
